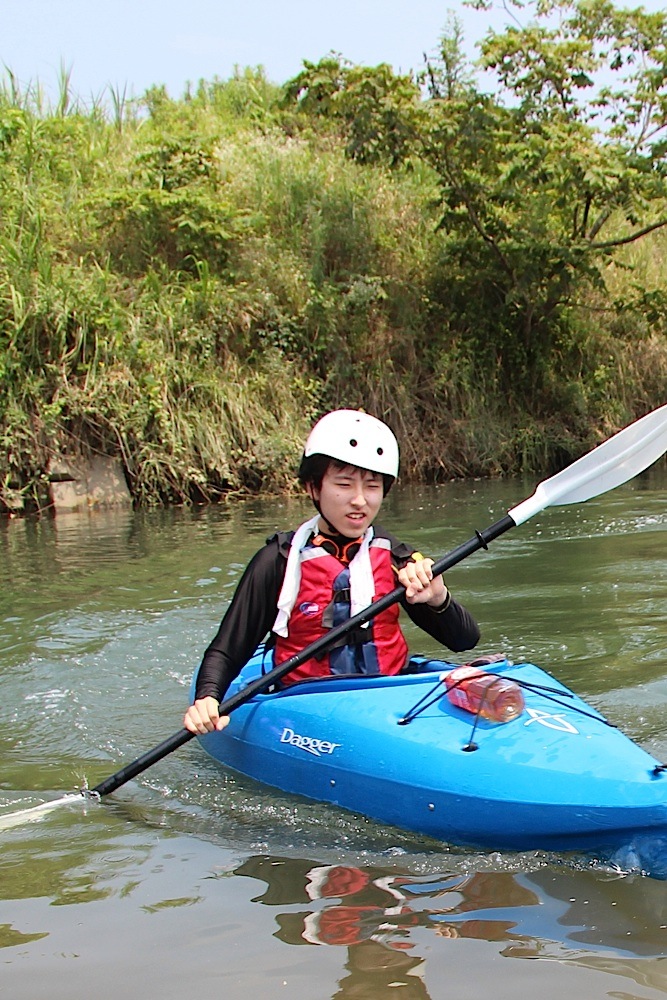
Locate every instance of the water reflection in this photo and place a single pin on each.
(379, 914)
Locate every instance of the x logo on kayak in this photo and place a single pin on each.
(557, 721)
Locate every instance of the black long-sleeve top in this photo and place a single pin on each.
(253, 610)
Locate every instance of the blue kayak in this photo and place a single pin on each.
(558, 777)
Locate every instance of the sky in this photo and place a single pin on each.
(133, 44)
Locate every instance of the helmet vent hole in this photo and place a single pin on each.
(353, 443)
(380, 451)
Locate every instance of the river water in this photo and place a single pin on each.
(190, 880)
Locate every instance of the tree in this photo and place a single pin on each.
(375, 109)
(545, 180)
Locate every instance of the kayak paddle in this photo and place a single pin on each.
(612, 463)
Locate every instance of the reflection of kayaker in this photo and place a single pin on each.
(376, 972)
(377, 904)
(527, 910)
(347, 925)
(295, 880)
(373, 924)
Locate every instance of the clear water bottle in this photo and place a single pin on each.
(495, 698)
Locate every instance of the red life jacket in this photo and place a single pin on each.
(319, 571)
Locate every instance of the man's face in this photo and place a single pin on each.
(349, 498)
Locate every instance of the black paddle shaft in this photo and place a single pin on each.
(479, 541)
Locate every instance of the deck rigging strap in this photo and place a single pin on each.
(550, 693)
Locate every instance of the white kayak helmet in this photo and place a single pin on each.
(354, 438)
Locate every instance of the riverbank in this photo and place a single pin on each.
(187, 285)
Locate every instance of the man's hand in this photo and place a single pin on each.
(204, 716)
(420, 585)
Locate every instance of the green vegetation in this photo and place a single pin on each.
(187, 284)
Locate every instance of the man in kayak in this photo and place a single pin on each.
(304, 582)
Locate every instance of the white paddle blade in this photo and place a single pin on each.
(34, 813)
(611, 464)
